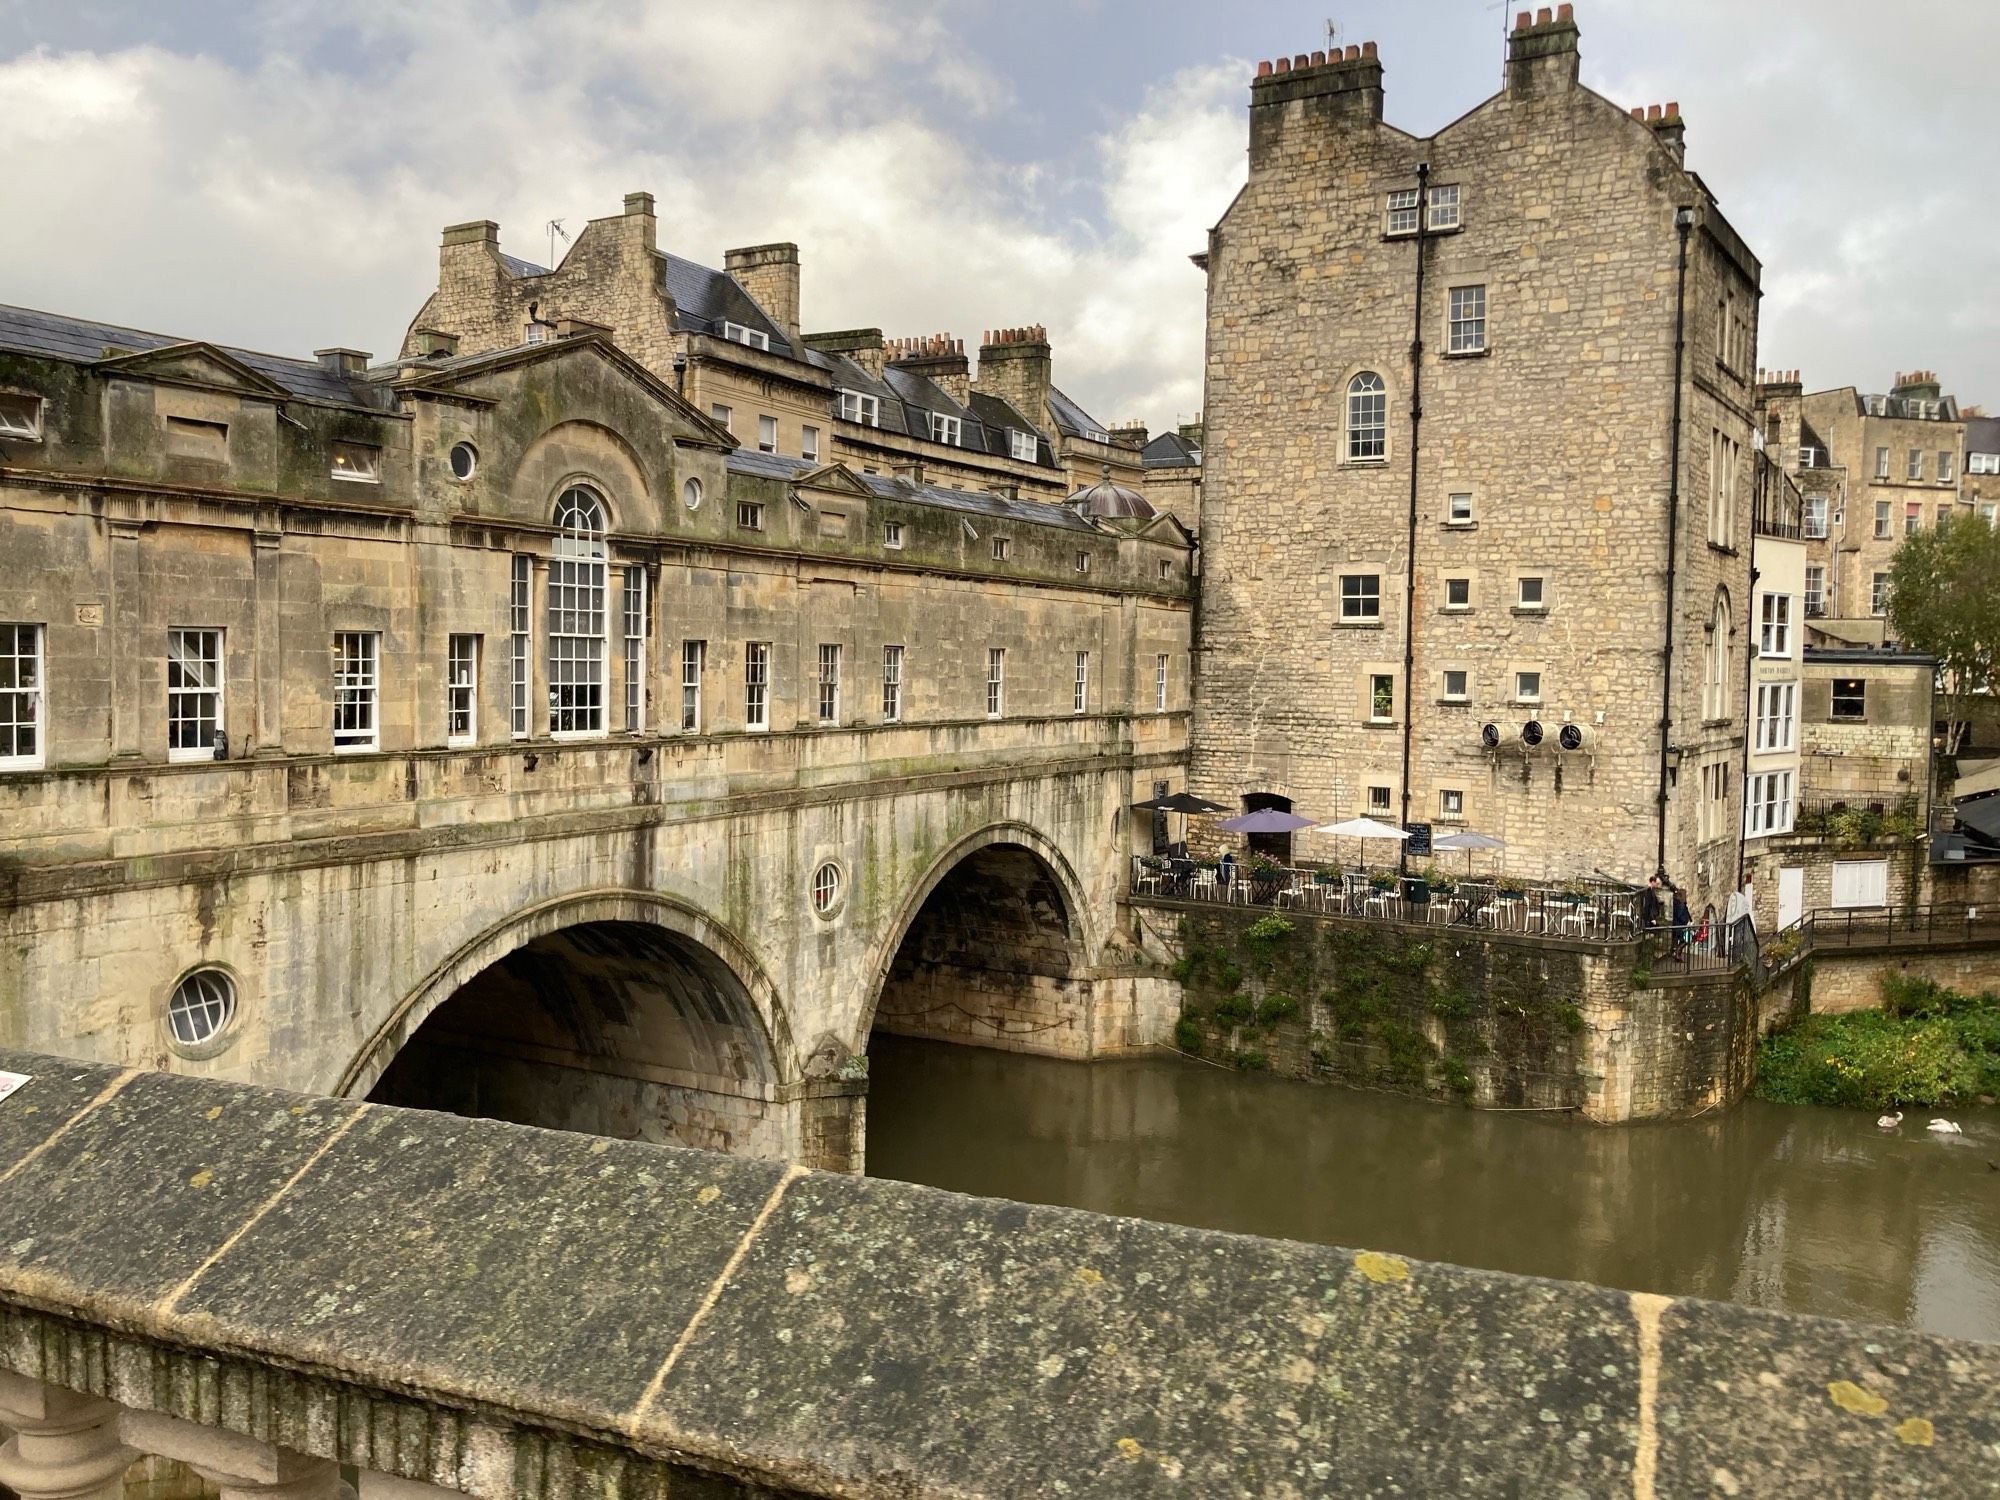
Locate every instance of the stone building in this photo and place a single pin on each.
(504, 711)
(731, 342)
(1475, 522)
(1771, 760)
(1873, 468)
(1173, 473)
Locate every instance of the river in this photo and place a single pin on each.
(1813, 1210)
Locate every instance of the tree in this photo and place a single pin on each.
(1944, 600)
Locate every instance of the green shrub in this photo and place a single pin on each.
(1451, 1005)
(1570, 1019)
(1250, 1060)
(1234, 1009)
(1276, 1008)
(1188, 1035)
(1183, 969)
(1869, 1060)
(1268, 929)
(1457, 1077)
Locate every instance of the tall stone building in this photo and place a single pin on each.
(730, 341)
(1476, 509)
(1874, 468)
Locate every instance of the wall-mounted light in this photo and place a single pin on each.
(1684, 217)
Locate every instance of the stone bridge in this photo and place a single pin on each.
(265, 1287)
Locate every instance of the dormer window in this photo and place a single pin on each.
(1444, 206)
(945, 429)
(1021, 445)
(754, 338)
(358, 462)
(20, 417)
(859, 406)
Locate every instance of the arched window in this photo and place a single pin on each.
(1367, 416)
(577, 583)
(1715, 661)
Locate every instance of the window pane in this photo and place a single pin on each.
(1367, 416)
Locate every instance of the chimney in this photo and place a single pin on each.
(1014, 364)
(938, 357)
(1191, 431)
(343, 361)
(1313, 91)
(1541, 54)
(770, 274)
(1779, 383)
(639, 208)
(435, 343)
(862, 345)
(1129, 434)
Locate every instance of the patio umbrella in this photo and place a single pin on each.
(1364, 828)
(1469, 842)
(1180, 802)
(1265, 820)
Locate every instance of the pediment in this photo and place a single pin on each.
(195, 364)
(1166, 527)
(835, 478)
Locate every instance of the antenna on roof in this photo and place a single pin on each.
(555, 228)
(1332, 33)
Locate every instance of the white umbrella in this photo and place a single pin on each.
(1364, 828)
(1469, 842)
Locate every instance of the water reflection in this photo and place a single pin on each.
(1809, 1209)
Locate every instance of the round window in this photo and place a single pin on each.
(464, 459)
(826, 889)
(202, 1006)
(691, 493)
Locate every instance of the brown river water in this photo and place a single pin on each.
(1812, 1210)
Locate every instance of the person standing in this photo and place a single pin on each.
(1227, 871)
(1683, 922)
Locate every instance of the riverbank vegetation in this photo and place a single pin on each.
(1926, 1046)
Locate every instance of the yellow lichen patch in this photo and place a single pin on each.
(215, 1113)
(708, 1194)
(1089, 1277)
(1130, 1451)
(798, 1282)
(298, 1109)
(1850, 1397)
(1382, 1268)
(1916, 1431)
(201, 1179)
(599, 1147)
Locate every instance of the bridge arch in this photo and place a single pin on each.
(617, 1012)
(992, 947)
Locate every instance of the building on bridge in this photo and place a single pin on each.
(1475, 515)
(495, 730)
(730, 342)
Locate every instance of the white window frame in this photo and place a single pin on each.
(1465, 320)
(946, 429)
(635, 619)
(1361, 596)
(1442, 206)
(757, 685)
(829, 682)
(749, 515)
(356, 463)
(1022, 446)
(722, 415)
(1467, 603)
(461, 690)
(1001, 547)
(1162, 670)
(860, 407)
(767, 434)
(996, 681)
(1812, 517)
(521, 624)
(892, 535)
(1458, 510)
(753, 338)
(1982, 463)
(1375, 680)
(1878, 594)
(1834, 695)
(1367, 435)
(1777, 716)
(1947, 466)
(1381, 801)
(1451, 804)
(694, 665)
(1815, 597)
(1913, 465)
(357, 688)
(1464, 693)
(1080, 698)
(197, 698)
(23, 697)
(809, 444)
(1774, 625)
(1399, 215)
(1859, 883)
(20, 417)
(892, 684)
(1539, 603)
(1521, 691)
(1767, 804)
(1083, 562)
(578, 656)
(1881, 463)
(1885, 520)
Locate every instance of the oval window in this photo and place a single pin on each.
(464, 459)
(826, 889)
(691, 493)
(202, 1007)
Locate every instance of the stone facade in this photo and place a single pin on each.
(1545, 531)
(330, 697)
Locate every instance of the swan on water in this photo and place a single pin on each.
(1890, 1122)
(1944, 1127)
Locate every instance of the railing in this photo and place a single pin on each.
(1913, 927)
(1856, 823)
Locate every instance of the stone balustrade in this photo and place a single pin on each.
(267, 1286)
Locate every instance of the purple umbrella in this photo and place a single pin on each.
(1265, 820)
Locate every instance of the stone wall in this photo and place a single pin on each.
(1490, 1019)
(1308, 291)
(1844, 981)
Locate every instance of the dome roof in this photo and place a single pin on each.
(1112, 501)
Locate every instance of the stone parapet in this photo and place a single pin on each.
(510, 1312)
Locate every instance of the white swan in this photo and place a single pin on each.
(1890, 1122)
(1944, 1127)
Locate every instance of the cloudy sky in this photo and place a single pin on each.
(274, 173)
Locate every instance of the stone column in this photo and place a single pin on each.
(265, 542)
(127, 632)
(65, 1446)
(242, 1468)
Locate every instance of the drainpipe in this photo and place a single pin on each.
(1410, 545)
(1760, 487)
(1683, 222)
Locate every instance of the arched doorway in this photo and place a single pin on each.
(1277, 846)
(616, 1026)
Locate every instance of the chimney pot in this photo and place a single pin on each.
(638, 203)
(1543, 16)
(1318, 59)
(1673, 109)
(1367, 49)
(1264, 68)
(1652, 113)
(1638, 111)
(1301, 61)
(1565, 12)
(1284, 65)
(1354, 53)
(1522, 20)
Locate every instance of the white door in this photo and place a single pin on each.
(1791, 896)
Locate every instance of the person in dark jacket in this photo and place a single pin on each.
(1683, 923)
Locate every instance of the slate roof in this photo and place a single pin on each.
(1170, 451)
(707, 298)
(78, 339)
(1982, 434)
(1908, 408)
(518, 267)
(1074, 420)
(894, 487)
(998, 414)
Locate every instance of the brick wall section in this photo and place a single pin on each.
(1567, 208)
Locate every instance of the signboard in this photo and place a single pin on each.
(11, 1081)
(1418, 845)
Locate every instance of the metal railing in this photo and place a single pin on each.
(1911, 927)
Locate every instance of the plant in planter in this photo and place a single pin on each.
(1440, 880)
(1576, 890)
(1263, 867)
(1382, 880)
(1511, 887)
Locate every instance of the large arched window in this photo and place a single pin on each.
(577, 584)
(1367, 417)
(1715, 661)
